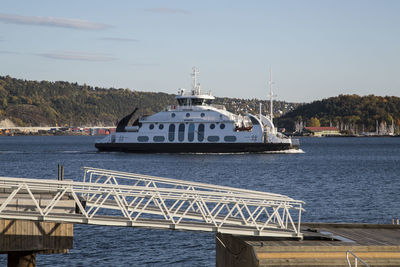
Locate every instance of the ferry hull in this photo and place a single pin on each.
(194, 147)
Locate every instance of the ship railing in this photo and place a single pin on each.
(172, 107)
(217, 106)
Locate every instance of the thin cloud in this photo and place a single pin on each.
(52, 22)
(165, 10)
(144, 64)
(118, 39)
(9, 52)
(80, 56)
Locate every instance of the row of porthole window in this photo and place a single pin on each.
(161, 126)
(221, 126)
(212, 126)
(211, 138)
(187, 115)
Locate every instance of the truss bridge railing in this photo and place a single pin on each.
(115, 198)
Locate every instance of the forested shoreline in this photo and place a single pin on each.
(352, 114)
(60, 103)
(44, 103)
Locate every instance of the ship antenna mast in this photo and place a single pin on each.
(271, 95)
(196, 85)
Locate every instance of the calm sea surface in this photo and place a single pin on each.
(340, 179)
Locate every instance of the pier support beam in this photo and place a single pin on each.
(21, 259)
(21, 240)
(234, 252)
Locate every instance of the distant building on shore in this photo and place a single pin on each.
(321, 131)
(15, 130)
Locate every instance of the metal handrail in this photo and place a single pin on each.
(356, 258)
(171, 181)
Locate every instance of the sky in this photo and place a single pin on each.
(315, 49)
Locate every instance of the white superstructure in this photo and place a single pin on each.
(196, 123)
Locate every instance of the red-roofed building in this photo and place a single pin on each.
(321, 131)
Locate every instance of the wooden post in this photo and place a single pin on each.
(21, 259)
(60, 172)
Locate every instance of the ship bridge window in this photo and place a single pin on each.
(181, 102)
(151, 126)
(181, 132)
(171, 132)
(161, 126)
(198, 101)
(222, 126)
(200, 132)
(212, 126)
(191, 132)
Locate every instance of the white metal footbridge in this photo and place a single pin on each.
(115, 198)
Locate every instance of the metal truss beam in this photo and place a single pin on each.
(114, 198)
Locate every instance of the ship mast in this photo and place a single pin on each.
(196, 85)
(271, 96)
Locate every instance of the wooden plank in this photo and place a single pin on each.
(267, 249)
(327, 255)
(20, 235)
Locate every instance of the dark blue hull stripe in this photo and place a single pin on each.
(192, 147)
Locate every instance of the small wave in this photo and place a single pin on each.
(74, 152)
(289, 151)
(210, 153)
(11, 152)
(70, 151)
(48, 152)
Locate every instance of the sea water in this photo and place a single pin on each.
(340, 179)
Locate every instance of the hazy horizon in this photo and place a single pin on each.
(316, 49)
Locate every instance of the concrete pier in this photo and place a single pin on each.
(324, 244)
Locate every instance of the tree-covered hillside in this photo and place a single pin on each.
(349, 112)
(33, 103)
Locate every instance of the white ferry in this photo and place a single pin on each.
(195, 125)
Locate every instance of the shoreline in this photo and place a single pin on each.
(104, 134)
